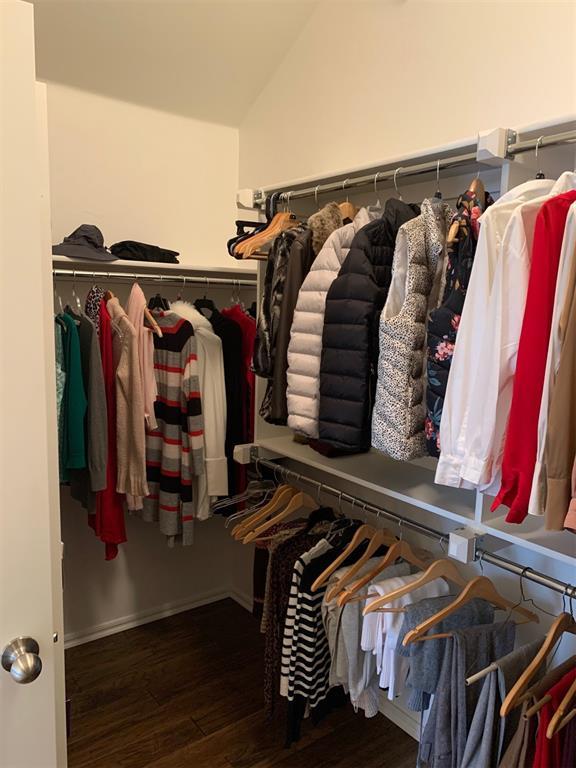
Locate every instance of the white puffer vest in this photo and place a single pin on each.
(305, 348)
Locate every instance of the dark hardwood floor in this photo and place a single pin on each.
(187, 691)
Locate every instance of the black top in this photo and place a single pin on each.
(230, 334)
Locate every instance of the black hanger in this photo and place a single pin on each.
(205, 303)
(158, 302)
(252, 310)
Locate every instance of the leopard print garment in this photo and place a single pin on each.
(92, 305)
(399, 408)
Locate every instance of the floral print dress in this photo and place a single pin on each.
(443, 322)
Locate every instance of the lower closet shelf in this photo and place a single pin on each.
(413, 483)
(408, 482)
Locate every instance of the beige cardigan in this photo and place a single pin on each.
(130, 434)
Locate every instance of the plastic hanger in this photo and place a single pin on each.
(299, 501)
(250, 247)
(443, 568)
(479, 587)
(205, 302)
(564, 623)
(539, 174)
(379, 538)
(396, 172)
(364, 532)
(401, 549)
(438, 193)
(282, 496)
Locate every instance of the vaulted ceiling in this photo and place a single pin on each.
(207, 60)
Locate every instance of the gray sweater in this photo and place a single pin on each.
(470, 650)
(426, 657)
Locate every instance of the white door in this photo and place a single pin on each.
(32, 716)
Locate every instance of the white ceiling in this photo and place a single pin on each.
(207, 60)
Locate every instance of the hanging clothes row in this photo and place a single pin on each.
(151, 401)
(419, 329)
(351, 613)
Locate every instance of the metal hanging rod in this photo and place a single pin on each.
(482, 555)
(379, 176)
(353, 500)
(144, 276)
(407, 170)
(554, 140)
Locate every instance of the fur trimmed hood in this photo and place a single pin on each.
(323, 223)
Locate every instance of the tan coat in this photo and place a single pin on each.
(560, 447)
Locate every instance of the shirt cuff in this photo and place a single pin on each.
(537, 502)
(477, 472)
(217, 476)
(557, 502)
(448, 470)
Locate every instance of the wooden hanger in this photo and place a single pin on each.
(363, 533)
(543, 685)
(281, 497)
(565, 712)
(480, 587)
(348, 210)
(401, 549)
(299, 501)
(564, 623)
(380, 537)
(443, 568)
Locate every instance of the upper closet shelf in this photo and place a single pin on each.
(137, 268)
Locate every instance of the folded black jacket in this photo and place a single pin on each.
(131, 250)
(350, 337)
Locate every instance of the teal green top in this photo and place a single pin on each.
(74, 403)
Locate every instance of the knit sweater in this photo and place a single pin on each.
(426, 657)
(135, 307)
(130, 437)
(174, 451)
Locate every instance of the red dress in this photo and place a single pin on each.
(108, 522)
(549, 751)
(522, 432)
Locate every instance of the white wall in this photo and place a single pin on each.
(375, 80)
(142, 174)
(146, 580)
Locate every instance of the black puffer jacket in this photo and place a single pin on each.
(350, 338)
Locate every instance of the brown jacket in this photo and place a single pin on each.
(560, 448)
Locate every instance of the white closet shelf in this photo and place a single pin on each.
(413, 483)
(531, 534)
(153, 267)
(408, 482)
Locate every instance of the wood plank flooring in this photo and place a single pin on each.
(187, 691)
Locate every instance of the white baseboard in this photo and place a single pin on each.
(242, 598)
(145, 617)
(409, 722)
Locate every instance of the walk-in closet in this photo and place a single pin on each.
(288, 444)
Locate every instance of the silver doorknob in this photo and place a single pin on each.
(20, 658)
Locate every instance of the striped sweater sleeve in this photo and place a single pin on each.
(193, 433)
